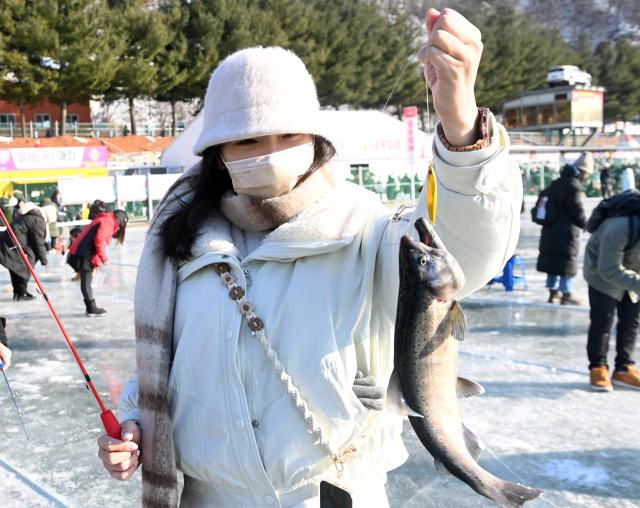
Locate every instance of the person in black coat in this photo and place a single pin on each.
(606, 181)
(560, 241)
(31, 231)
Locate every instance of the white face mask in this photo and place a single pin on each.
(269, 176)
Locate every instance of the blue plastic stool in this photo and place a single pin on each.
(507, 278)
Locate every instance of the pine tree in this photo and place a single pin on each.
(516, 56)
(354, 52)
(194, 51)
(21, 49)
(145, 34)
(82, 45)
(618, 69)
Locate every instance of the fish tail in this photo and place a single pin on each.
(511, 495)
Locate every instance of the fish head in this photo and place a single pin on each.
(429, 264)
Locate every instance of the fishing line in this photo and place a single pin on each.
(506, 466)
(424, 39)
(123, 271)
(15, 403)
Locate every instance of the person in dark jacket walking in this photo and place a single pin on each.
(89, 250)
(31, 231)
(560, 241)
(606, 181)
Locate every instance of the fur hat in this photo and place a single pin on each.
(257, 92)
(585, 162)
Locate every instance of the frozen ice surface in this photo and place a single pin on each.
(543, 426)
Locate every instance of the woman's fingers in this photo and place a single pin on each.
(126, 474)
(131, 431)
(444, 64)
(111, 444)
(451, 45)
(457, 25)
(432, 17)
(121, 457)
(115, 458)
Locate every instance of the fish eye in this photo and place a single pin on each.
(423, 261)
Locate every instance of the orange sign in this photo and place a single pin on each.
(587, 96)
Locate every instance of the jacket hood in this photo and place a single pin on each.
(571, 170)
(30, 207)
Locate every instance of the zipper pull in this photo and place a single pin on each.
(247, 276)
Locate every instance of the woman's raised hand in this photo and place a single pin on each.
(451, 61)
(121, 457)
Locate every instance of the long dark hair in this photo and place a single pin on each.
(122, 219)
(179, 230)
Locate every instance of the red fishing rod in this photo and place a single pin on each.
(111, 424)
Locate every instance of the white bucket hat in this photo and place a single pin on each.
(257, 92)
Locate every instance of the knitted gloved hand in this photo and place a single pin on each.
(368, 393)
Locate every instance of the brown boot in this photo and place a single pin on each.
(76, 276)
(629, 379)
(600, 381)
(554, 296)
(569, 299)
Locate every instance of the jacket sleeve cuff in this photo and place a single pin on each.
(132, 414)
(477, 172)
(474, 157)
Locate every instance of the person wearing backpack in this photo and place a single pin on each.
(560, 239)
(612, 269)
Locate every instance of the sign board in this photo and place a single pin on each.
(77, 191)
(411, 124)
(591, 96)
(132, 188)
(159, 184)
(29, 159)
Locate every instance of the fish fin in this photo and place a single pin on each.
(466, 388)
(396, 402)
(442, 469)
(474, 443)
(458, 322)
(511, 495)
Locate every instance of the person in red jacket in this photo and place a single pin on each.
(89, 250)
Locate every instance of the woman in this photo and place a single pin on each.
(31, 231)
(56, 197)
(560, 241)
(312, 265)
(89, 249)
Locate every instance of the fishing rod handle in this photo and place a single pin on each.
(1, 363)
(111, 425)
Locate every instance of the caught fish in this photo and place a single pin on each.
(425, 385)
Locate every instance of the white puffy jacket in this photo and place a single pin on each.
(325, 285)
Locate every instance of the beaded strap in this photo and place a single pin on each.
(256, 326)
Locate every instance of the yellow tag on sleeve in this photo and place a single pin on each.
(432, 193)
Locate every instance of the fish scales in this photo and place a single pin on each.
(425, 385)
